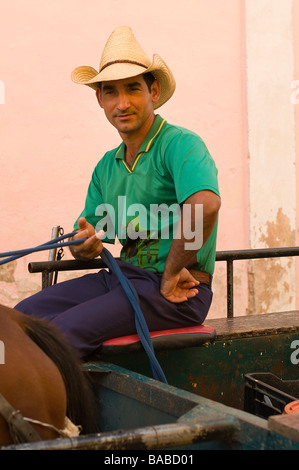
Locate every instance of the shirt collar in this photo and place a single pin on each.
(148, 141)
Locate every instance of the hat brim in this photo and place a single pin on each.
(86, 75)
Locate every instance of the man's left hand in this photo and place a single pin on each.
(180, 287)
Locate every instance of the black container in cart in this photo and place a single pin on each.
(267, 395)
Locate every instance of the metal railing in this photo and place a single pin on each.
(234, 255)
(48, 267)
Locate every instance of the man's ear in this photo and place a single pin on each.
(156, 91)
(98, 95)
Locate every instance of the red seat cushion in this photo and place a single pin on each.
(176, 338)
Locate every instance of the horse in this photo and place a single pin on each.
(41, 381)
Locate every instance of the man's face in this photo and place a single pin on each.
(128, 103)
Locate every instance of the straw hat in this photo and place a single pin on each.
(123, 57)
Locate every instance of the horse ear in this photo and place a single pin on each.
(67, 391)
(80, 397)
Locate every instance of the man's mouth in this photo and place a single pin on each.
(124, 116)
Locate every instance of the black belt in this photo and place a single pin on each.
(201, 276)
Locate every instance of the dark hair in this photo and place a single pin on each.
(149, 80)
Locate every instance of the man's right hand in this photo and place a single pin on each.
(89, 249)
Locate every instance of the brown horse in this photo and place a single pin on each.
(41, 377)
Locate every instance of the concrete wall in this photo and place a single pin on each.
(271, 150)
(234, 62)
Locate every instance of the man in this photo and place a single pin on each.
(160, 172)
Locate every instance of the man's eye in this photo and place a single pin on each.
(108, 91)
(134, 86)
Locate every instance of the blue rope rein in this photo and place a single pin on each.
(50, 245)
(140, 323)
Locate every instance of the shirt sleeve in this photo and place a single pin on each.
(191, 166)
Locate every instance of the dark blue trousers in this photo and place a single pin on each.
(93, 308)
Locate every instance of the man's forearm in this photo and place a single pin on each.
(201, 215)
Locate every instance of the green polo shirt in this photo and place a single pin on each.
(140, 204)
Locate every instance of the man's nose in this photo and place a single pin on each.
(123, 101)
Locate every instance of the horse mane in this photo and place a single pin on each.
(80, 397)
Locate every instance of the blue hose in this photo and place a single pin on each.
(140, 323)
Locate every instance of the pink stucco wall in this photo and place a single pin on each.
(53, 132)
(296, 111)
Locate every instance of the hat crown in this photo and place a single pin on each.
(122, 46)
(124, 58)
